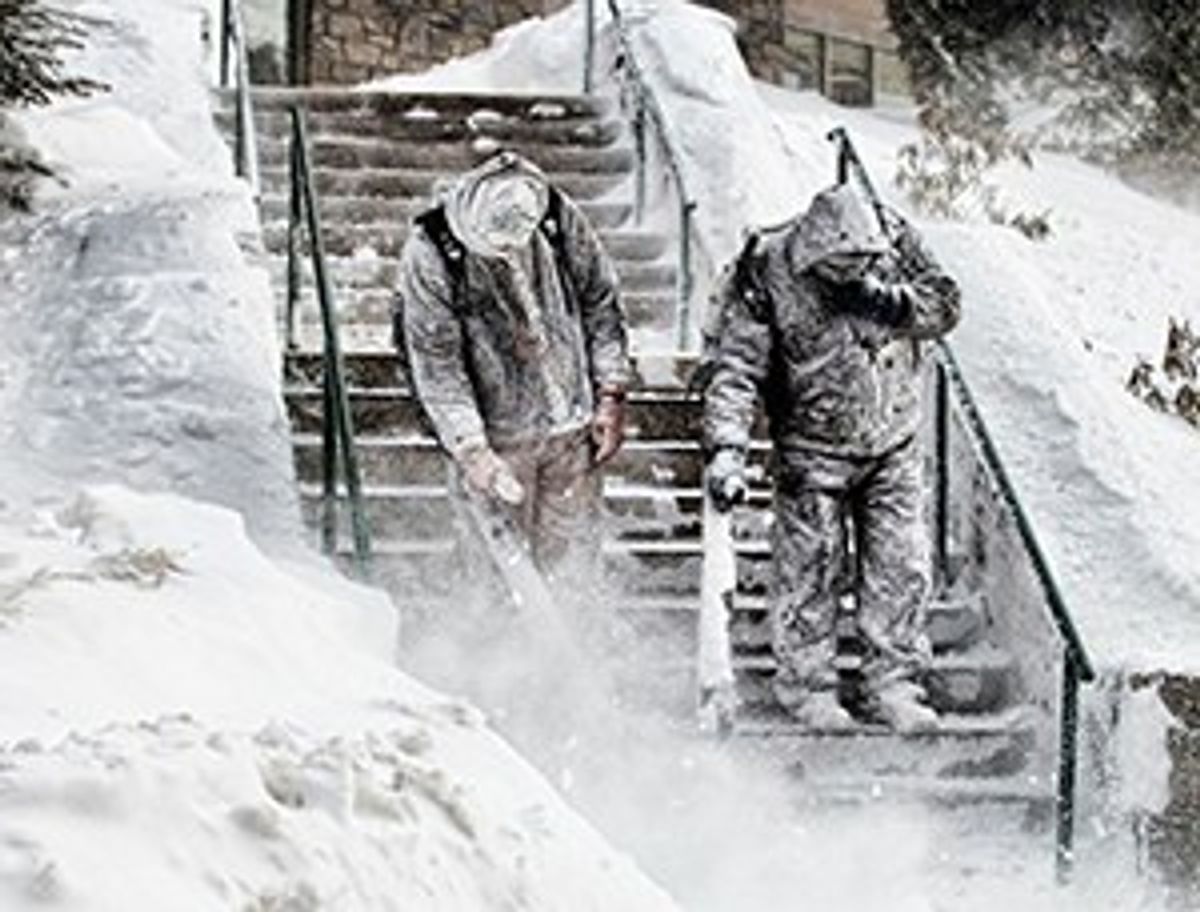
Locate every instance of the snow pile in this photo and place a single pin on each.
(185, 722)
(140, 346)
(733, 163)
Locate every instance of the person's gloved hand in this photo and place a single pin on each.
(726, 478)
(872, 298)
(608, 424)
(490, 475)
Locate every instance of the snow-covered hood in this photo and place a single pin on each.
(497, 205)
(837, 222)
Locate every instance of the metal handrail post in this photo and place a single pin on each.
(684, 314)
(639, 149)
(295, 217)
(226, 37)
(247, 143)
(589, 45)
(338, 397)
(941, 505)
(1067, 759)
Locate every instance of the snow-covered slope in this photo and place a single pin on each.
(140, 344)
(185, 724)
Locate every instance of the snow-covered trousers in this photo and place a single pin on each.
(562, 496)
(559, 519)
(822, 504)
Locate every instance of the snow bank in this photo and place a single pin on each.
(183, 722)
(140, 345)
(537, 55)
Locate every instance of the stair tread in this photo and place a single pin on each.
(980, 655)
(955, 725)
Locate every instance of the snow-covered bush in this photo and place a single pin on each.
(1173, 386)
(1117, 83)
(947, 178)
(33, 41)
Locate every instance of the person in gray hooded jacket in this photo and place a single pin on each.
(516, 345)
(825, 319)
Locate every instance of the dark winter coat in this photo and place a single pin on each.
(832, 381)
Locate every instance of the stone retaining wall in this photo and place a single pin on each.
(355, 40)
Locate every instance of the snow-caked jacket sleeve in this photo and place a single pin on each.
(742, 359)
(594, 283)
(433, 332)
(934, 302)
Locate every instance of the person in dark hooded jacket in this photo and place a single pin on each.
(825, 321)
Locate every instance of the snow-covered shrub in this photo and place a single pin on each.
(33, 41)
(1117, 82)
(1173, 386)
(947, 178)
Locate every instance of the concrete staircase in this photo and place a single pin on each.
(377, 157)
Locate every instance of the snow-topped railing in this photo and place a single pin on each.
(639, 100)
(1077, 665)
(233, 38)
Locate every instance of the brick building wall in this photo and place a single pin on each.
(844, 48)
(350, 41)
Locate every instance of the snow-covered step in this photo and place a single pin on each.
(357, 307)
(586, 130)
(386, 239)
(422, 106)
(980, 679)
(962, 747)
(390, 410)
(339, 152)
(416, 457)
(953, 623)
(419, 506)
(378, 272)
(662, 377)
(420, 182)
(368, 210)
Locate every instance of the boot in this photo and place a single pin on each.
(901, 706)
(818, 710)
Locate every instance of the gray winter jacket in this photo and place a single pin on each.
(831, 381)
(517, 350)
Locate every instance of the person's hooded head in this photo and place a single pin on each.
(838, 235)
(495, 207)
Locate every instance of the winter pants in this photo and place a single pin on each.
(822, 506)
(558, 519)
(561, 498)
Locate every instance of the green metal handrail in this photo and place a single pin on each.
(245, 140)
(1077, 664)
(647, 109)
(338, 447)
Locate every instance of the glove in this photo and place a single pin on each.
(872, 298)
(726, 479)
(490, 475)
(608, 425)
